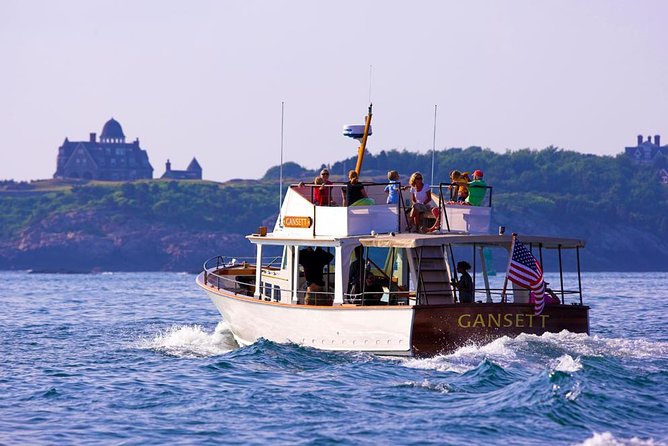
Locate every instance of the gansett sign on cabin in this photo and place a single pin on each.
(501, 320)
(297, 222)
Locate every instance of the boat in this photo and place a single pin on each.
(386, 289)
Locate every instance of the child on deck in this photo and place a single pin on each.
(459, 186)
(392, 189)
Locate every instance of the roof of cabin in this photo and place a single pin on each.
(409, 240)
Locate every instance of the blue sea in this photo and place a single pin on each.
(145, 358)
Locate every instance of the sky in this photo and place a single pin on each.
(206, 79)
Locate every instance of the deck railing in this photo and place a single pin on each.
(244, 285)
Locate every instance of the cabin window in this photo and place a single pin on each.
(284, 260)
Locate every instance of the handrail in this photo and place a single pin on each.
(395, 297)
(312, 187)
(233, 261)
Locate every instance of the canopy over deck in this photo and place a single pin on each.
(297, 240)
(420, 240)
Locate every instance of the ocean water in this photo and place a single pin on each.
(144, 358)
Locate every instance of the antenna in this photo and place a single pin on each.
(280, 170)
(370, 75)
(433, 148)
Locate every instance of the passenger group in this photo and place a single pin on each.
(420, 205)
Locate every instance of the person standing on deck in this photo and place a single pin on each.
(353, 191)
(322, 193)
(465, 283)
(313, 261)
(325, 190)
(392, 189)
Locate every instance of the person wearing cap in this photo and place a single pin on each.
(477, 189)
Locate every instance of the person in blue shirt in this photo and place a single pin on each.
(392, 189)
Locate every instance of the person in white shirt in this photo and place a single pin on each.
(422, 203)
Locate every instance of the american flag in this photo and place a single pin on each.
(525, 271)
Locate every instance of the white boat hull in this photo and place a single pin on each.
(379, 330)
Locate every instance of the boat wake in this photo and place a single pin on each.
(607, 439)
(561, 352)
(192, 341)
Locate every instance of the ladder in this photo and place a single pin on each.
(433, 276)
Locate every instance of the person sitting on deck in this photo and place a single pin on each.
(459, 186)
(373, 290)
(477, 189)
(465, 283)
(550, 297)
(353, 191)
(313, 262)
(422, 203)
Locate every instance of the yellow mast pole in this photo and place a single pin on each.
(360, 151)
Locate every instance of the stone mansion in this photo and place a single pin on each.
(111, 158)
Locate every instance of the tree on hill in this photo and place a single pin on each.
(290, 170)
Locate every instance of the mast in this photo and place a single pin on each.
(433, 148)
(360, 151)
(280, 171)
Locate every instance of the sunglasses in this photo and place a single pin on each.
(324, 174)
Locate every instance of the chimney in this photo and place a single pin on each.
(649, 138)
(93, 137)
(168, 166)
(639, 140)
(657, 140)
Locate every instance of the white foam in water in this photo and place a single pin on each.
(192, 341)
(586, 345)
(469, 357)
(506, 351)
(607, 439)
(566, 363)
(425, 384)
(574, 393)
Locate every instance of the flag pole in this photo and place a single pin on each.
(505, 281)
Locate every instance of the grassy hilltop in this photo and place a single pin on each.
(617, 206)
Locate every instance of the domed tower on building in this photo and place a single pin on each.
(112, 133)
(110, 158)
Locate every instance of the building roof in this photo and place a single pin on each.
(112, 130)
(194, 165)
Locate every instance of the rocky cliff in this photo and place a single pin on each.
(85, 241)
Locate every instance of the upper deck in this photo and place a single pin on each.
(300, 217)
